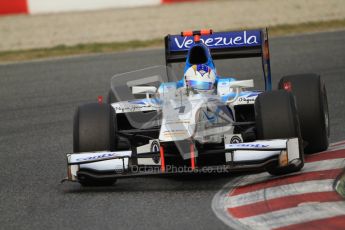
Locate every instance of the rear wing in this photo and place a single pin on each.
(224, 45)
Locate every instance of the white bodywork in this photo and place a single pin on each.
(235, 153)
(187, 115)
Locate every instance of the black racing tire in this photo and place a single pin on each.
(311, 99)
(276, 117)
(94, 130)
(111, 97)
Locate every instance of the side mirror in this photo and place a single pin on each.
(242, 84)
(238, 85)
(144, 89)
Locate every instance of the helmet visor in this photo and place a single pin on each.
(200, 85)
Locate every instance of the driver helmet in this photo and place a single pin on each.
(200, 78)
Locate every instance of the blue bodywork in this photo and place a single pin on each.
(221, 45)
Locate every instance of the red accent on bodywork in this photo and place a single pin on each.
(100, 99)
(187, 33)
(266, 51)
(192, 156)
(161, 153)
(287, 86)
(206, 32)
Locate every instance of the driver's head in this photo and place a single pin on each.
(200, 78)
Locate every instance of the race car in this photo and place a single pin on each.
(156, 124)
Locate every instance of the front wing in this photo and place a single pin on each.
(238, 156)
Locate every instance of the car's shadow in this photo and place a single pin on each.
(177, 183)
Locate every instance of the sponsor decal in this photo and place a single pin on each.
(249, 99)
(96, 157)
(132, 108)
(136, 105)
(219, 40)
(155, 148)
(235, 140)
(246, 100)
(245, 145)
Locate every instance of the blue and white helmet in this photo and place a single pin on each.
(200, 78)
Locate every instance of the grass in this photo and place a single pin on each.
(92, 48)
(308, 27)
(63, 50)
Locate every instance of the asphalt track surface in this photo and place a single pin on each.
(38, 100)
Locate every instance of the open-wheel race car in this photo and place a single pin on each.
(155, 124)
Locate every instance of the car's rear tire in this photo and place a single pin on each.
(276, 117)
(311, 99)
(94, 130)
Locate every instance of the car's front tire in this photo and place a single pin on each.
(94, 130)
(311, 99)
(276, 117)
